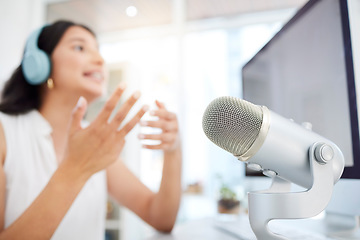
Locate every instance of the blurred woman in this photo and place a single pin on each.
(55, 174)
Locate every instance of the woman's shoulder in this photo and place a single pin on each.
(7, 123)
(14, 120)
(15, 128)
(13, 125)
(13, 117)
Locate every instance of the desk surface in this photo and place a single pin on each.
(207, 229)
(193, 230)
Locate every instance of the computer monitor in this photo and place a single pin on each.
(309, 72)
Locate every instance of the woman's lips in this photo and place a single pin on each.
(95, 76)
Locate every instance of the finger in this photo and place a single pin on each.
(156, 147)
(166, 126)
(77, 115)
(165, 137)
(131, 124)
(160, 105)
(163, 113)
(110, 104)
(124, 110)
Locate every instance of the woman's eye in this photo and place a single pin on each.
(79, 48)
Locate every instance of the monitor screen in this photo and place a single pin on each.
(305, 73)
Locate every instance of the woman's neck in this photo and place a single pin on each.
(57, 111)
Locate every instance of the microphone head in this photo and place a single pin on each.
(234, 125)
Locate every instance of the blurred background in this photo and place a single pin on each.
(182, 52)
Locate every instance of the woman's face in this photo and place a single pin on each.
(77, 66)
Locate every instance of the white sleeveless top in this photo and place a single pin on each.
(29, 164)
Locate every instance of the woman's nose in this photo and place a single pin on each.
(97, 58)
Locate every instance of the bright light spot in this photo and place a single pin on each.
(131, 11)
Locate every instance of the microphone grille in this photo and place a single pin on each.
(232, 123)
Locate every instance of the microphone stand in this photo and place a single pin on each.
(278, 202)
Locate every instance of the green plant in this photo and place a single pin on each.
(227, 193)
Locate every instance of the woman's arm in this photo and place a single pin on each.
(160, 209)
(166, 202)
(41, 219)
(101, 138)
(44, 215)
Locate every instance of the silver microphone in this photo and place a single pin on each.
(266, 141)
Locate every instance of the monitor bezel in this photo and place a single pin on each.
(353, 171)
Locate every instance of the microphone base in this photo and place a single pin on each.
(278, 202)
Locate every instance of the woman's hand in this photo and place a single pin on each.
(168, 123)
(94, 148)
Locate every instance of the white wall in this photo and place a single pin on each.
(17, 19)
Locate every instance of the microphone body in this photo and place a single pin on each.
(286, 147)
(265, 140)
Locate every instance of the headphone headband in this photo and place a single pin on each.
(32, 41)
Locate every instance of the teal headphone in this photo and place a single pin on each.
(36, 64)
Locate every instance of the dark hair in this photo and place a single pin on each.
(18, 96)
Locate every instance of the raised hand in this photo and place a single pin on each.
(168, 123)
(97, 146)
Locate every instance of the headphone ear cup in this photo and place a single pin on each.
(36, 66)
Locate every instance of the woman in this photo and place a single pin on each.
(55, 174)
